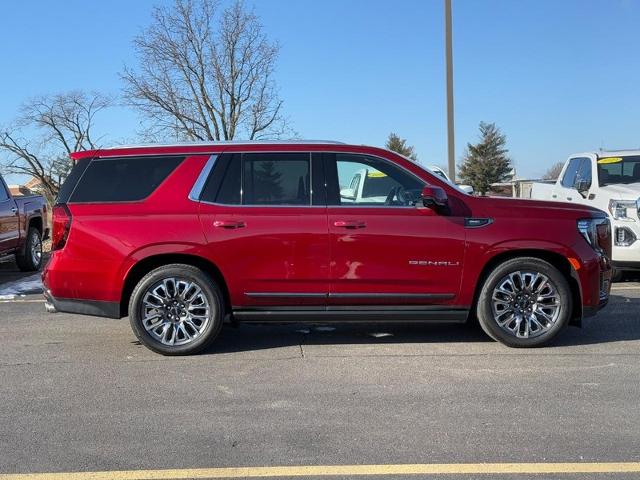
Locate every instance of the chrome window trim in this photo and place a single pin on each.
(311, 180)
(198, 187)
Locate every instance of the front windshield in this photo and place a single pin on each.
(618, 170)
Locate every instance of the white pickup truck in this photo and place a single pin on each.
(609, 181)
(371, 186)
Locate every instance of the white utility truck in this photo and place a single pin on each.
(610, 181)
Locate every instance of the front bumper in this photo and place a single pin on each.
(82, 307)
(626, 265)
(625, 253)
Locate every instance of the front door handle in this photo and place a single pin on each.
(349, 224)
(14, 210)
(229, 224)
(569, 198)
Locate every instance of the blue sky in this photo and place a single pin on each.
(558, 76)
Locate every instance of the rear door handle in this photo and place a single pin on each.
(14, 210)
(569, 198)
(229, 224)
(349, 224)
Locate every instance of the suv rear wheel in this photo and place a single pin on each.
(524, 302)
(176, 310)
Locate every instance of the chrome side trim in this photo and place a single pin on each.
(284, 295)
(196, 191)
(426, 296)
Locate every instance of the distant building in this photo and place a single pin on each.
(19, 190)
(34, 185)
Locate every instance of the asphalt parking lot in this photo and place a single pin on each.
(80, 394)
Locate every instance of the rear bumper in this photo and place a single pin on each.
(82, 307)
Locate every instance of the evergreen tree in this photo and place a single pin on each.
(267, 182)
(487, 161)
(399, 145)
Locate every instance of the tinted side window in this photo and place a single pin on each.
(276, 179)
(123, 179)
(583, 174)
(72, 180)
(569, 177)
(4, 195)
(231, 187)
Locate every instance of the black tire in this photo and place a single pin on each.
(617, 275)
(30, 261)
(485, 307)
(210, 291)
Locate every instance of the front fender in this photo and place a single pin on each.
(480, 257)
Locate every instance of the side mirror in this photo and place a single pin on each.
(434, 197)
(583, 187)
(466, 189)
(348, 193)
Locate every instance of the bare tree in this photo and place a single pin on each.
(206, 74)
(554, 171)
(47, 130)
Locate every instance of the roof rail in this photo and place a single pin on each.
(226, 142)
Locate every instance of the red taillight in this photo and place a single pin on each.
(61, 225)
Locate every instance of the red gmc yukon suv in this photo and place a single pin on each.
(184, 237)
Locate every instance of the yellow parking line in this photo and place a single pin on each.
(339, 470)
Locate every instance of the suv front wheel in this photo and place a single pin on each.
(176, 310)
(524, 302)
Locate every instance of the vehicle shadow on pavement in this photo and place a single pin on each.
(618, 322)
(246, 337)
(9, 271)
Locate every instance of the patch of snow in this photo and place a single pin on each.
(7, 297)
(22, 286)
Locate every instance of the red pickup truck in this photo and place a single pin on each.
(23, 227)
(184, 237)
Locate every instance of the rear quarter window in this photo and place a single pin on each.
(124, 179)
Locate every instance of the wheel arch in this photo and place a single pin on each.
(35, 221)
(554, 258)
(145, 265)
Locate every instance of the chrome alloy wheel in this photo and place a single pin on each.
(525, 304)
(175, 311)
(36, 248)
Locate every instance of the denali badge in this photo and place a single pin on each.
(434, 263)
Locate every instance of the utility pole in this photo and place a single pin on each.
(449, 68)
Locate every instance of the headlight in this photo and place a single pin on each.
(618, 209)
(588, 230)
(597, 233)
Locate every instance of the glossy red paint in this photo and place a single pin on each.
(317, 255)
